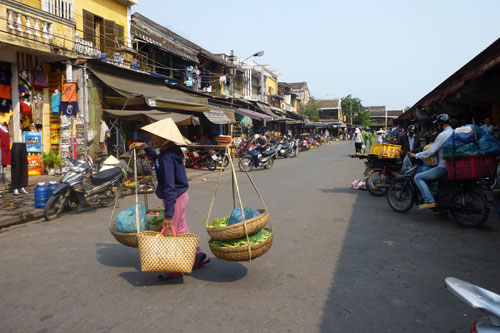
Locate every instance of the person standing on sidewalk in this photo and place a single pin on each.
(172, 181)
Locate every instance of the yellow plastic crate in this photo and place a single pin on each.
(386, 150)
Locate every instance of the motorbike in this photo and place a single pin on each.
(265, 159)
(200, 158)
(221, 161)
(379, 173)
(287, 149)
(305, 143)
(79, 188)
(465, 200)
(478, 298)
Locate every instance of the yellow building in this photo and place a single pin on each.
(41, 40)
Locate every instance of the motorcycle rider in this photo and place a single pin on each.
(444, 124)
(410, 143)
(260, 143)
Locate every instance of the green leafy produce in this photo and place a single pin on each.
(219, 222)
(264, 235)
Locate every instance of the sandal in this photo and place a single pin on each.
(201, 261)
(169, 276)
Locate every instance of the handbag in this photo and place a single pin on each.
(172, 253)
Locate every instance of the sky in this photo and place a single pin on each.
(385, 52)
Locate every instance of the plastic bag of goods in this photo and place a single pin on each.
(125, 221)
(236, 216)
(455, 142)
(489, 145)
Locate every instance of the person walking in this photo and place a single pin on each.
(172, 185)
(358, 140)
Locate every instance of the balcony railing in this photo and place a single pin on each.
(33, 26)
(61, 8)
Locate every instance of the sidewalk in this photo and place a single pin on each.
(21, 209)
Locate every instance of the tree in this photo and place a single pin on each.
(353, 110)
(310, 109)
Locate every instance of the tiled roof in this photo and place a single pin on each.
(297, 85)
(373, 108)
(328, 103)
(390, 113)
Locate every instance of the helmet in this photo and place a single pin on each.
(256, 136)
(411, 128)
(442, 118)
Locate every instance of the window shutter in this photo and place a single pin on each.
(109, 36)
(119, 34)
(88, 26)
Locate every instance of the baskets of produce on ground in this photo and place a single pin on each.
(222, 229)
(237, 250)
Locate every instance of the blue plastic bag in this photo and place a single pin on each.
(125, 221)
(461, 143)
(236, 215)
(489, 145)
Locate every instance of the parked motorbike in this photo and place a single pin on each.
(287, 149)
(379, 173)
(305, 143)
(265, 159)
(221, 161)
(478, 298)
(200, 158)
(79, 188)
(465, 200)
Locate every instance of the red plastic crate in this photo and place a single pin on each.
(471, 167)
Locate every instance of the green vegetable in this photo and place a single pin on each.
(219, 222)
(254, 239)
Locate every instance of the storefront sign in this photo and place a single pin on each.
(33, 142)
(85, 47)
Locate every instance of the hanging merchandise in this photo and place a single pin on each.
(5, 145)
(5, 91)
(38, 107)
(55, 102)
(69, 109)
(34, 165)
(5, 117)
(69, 92)
(4, 105)
(40, 80)
(55, 134)
(33, 142)
(19, 169)
(24, 85)
(5, 76)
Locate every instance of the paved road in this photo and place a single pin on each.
(341, 261)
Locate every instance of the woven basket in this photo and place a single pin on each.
(126, 238)
(241, 253)
(236, 231)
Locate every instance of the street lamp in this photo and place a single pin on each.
(256, 54)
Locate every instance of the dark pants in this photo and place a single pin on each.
(358, 146)
(19, 165)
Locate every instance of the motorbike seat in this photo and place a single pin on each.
(103, 176)
(286, 146)
(267, 153)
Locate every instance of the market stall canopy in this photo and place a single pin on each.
(229, 114)
(253, 114)
(217, 116)
(152, 116)
(267, 110)
(156, 94)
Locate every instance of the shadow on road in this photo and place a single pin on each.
(341, 190)
(220, 271)
(117, 255)
(390, 272)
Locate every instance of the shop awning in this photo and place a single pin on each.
(267, 110)
(216, 116)
(253, 114)
(155, 93)
(229, 114)
(150, 116)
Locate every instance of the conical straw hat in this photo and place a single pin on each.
(167, 129)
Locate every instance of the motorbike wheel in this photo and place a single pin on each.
(269, 164)
(400, 197)
(210, 164)
(226, 161)
(245, 164)
(376, 178)
(188, 162)
(55, 206)
(293, 153)
(469, 209)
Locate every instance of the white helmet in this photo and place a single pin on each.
(256, 136)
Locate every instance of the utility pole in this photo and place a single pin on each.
(233, 76)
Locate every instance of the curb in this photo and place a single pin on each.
(21, 218)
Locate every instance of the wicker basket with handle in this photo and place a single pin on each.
(237, 230)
